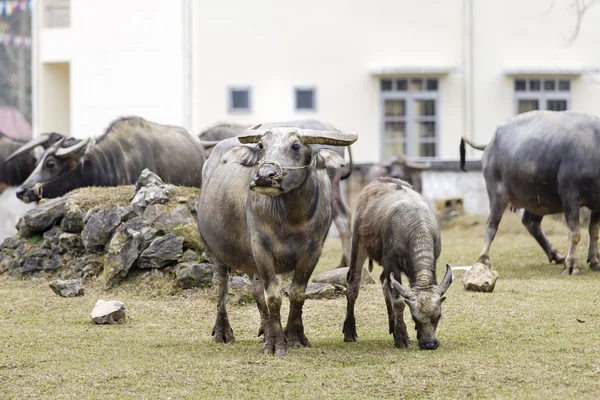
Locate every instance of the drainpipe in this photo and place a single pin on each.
(468, 68)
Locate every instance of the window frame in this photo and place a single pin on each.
(314, 98)
(542, 95)
(230, 107)
(412, 139)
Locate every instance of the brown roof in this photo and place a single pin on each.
(13, 124)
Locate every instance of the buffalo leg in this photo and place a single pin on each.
(342, 218)
(222, 332)
(294, 330)
(401, 339)
(533, 223)
(357, 259)
(498, 204)
(259, 295)
(593, 255)
(572, 217)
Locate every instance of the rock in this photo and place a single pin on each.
(85, 267)
(123, 250)
(190, 275)
(150, 189)
(240, 283)
(190, 256)
(162, 251)
(51, 237)
(108, 312)
(101, 225)
(67, 288)
(148, 233)
(317, 291)
(35, 260)
(480, 278)
(190, 235)
(42, 218)
(153, 212)
(148, 178)
(72, 221)
(11, 242)
(70, 243)
(5, 264)
(338, 277)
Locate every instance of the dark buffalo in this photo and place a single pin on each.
(265, 209)
(342, 216)
(118, 157)
(395, 226)
(401, 168)
(546, 163)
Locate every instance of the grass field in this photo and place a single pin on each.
(536, 336)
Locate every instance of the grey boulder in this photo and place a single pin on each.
(108, 312)
(67, 288)
(480, 278)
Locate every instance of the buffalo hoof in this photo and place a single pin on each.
(297, 341)
(576, 272)
(223, 334)
(595, 266)
(484, 260)
(401, 340)
(349, 331)
(565, 272)
(557, 258)
(274, 346)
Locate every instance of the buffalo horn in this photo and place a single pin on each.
(311, 136)
(207, 144)
(404, 292)
(446, 281)
(251, 135)
(68, 151)
(415, 165)
(39, 141)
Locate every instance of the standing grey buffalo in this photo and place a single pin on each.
(401, 168)
(544, 162)
(118, 157)
(265, 209)
(342, 216)
(395, 226)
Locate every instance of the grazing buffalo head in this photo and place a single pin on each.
(284, 156)
(400, 167)
(425, 306)
(54, 174)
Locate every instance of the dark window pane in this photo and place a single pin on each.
(305, 99)
(425, 107)
(425, 129)
(432, 85)
(395, 108)
(528, 105)
(520, 85)
(556, 105)
(549, 85)
(401, 85)
(394, 149)
(427, 149)
(240, 99)
(564, 85)
(535, 85)
(386, 85)
(395, 130)
(416, 85)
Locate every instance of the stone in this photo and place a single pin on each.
(67, 288)
(338, 277)
(240, 283)
(73, 219)
(85, 266)
(5, 264)
(190, 235)
(148, 233)
(70, 243)
(190, 275)
(51, 237)
(42, 218)
(190, 256)
(165, 222)
(11, 242)
(150, 189)
(123, 250)
(36, 259)
(317, 291)
(480, 278)
(163, 251)
(153, 212)
(100, 226)
(108, 312)
(148, 178)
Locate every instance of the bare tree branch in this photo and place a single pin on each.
(581, 7)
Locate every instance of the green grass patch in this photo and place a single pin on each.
(536, 336)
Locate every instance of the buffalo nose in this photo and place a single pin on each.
(431, 345)
(21, 192)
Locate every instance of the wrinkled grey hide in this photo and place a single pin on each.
(545, 162)
(395, 226)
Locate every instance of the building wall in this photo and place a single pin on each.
(55, 97)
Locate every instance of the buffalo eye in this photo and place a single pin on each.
(260, 145)
(50, 164)
(296, 147)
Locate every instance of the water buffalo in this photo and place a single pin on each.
(342, 216)
(544, 162)
(265, 209)
(127, 147)
(395, 226)
(401, 168)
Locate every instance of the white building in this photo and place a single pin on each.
(410, 76)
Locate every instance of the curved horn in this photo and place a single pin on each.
(311, 136)
(207, 144)
(404, 292)
(445, 284)
(69, 151)
(39, 141)
(251, 135)
(415, 165)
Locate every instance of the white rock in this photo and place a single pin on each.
(480, 278)
(109, 312)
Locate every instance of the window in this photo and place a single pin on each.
(239, 99)
(305, 99)
(542, 94)
(409, 116)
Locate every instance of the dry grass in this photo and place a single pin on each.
(536, 336)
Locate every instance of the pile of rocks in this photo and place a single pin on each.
(154, 230)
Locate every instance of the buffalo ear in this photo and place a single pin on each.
(245, 155)
(327, 159)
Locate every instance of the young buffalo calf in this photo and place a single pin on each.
(396, 227)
